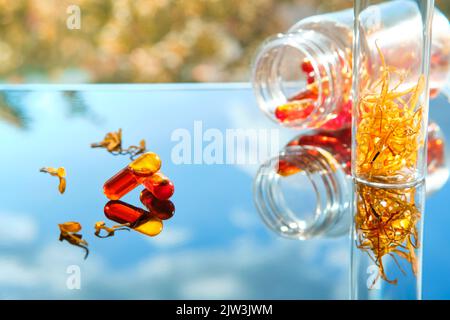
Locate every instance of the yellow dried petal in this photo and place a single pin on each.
(62, 185)
(71, 226)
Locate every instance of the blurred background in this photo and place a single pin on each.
(141, 41)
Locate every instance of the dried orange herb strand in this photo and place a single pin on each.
(110, 231)
(68, 232)
(389, 134)
(386, 224)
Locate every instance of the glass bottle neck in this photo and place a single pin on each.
(303, 67)
(309, 203)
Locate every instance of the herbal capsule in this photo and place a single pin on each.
(162, 209)
(151, 226)
(158, 184)
(131, 176)
(138, 219)
(145, 165)
(119, 185)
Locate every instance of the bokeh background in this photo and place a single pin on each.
(144, 40)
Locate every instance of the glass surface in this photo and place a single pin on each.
(215, 246)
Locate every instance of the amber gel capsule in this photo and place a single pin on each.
(159, 185)
(162, 209)
(138, 219)
(145, 165)
(131, 176)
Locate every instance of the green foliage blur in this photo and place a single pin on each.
(143, 40)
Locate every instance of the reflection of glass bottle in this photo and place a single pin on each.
(302, 79)
(305, 192)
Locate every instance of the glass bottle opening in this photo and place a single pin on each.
(309, 201)
(292, 84)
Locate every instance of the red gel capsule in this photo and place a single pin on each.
(139, 219)
(306, 66)
(162, 209)
(132, 175)
(160, 186)
(122, 212)
(119, 185)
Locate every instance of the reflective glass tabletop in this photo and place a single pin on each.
(214, 247)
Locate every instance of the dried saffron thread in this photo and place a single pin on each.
(386, 224)
(389, 132)
(388, 140)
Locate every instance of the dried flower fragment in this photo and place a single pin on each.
(101, 225)
(113, 144)
(57, 172)
(137, 150)
(69, 232)
(390, 125)
(386, 225)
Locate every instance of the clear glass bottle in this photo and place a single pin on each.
(391, 60)
(306, 191)
(302, 79)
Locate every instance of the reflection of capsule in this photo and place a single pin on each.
(159, 185)
(162, 209)
(138, 219)
(131, 176)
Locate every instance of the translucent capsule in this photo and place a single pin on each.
(146, 164)
(123, 213)
(138, 219)
(162, 209)
(131, 176)
(119, 185)
(152, 226)
(159, 185)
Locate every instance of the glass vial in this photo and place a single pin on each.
(386, 253)
(302, 79)
(306, 191)
(389, 132)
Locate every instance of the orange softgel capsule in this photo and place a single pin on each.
(145, 165)
(119, 185)
(162, 209)
(131, 176)
(158, 184)
(137, 218)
